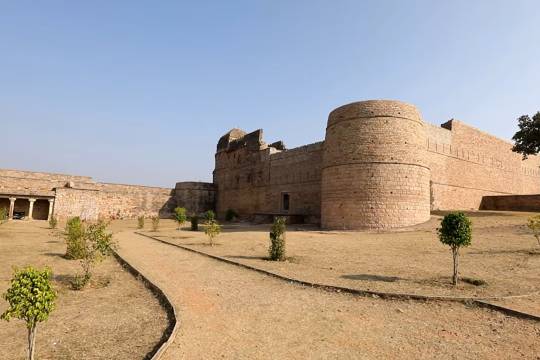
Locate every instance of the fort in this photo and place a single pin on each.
(380, 166)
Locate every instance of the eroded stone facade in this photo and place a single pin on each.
(380, 166)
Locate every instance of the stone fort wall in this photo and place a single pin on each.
(251, 176)
(380, 166)
(82, 196)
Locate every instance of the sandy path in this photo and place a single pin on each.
(228, 312)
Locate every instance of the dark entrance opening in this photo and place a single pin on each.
(21, 209)
(41, 209)
(285, 201)
(4, 203)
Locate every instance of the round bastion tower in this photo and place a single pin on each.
(375, 173)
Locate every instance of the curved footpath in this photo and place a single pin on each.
(228, 312)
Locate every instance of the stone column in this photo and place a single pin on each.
(51, 202)
(11, 207)
(31, 210)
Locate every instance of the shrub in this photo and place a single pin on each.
(98, 244)
(31, 298)
(230, 215)
(53, 222)
(277, 239)
(209, 216)
(75, 238)
(212, 230)
(534, 225)
(140, 222)
(155, 223)
(3, 215)
(180, 216)
(456, 232)
(194, 223)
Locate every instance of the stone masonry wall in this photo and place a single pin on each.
(195, 197)
(118, 201)
(82, 196)
(251, 176)
(463, 165)
(374, 173)
(70, 202)
(467, 164)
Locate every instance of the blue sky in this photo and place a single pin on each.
(140, 91)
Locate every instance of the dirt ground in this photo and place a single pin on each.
(503, 254)
(233, 313)
(115, 318)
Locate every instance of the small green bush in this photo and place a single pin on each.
(209, 216)
(180, 216)
(213, 229)
(3, 215)
(534, 225)
(53, 222)
(140, 222)
(194, 223)
(155, 223)
(456, 232)
(98, 244)
(231, 215)
(74, 238)
(31, 299)
(276, 250)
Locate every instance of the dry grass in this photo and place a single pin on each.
(504, 257)
(232, 313)
(116, 317)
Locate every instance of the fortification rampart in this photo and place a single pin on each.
(380, 166)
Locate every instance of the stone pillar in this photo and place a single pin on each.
(31, 209)
(11, 207)
(51, 202)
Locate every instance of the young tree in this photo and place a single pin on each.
(194, 223)
(53, 222)
(230, 215)
(180, 216)
(98, 244)
(527, 138)
(140, 222)
(155, 223)
(534, 225)
(209, 216)
(3, 215)
(212, 230)
(277, 239)
(456, 232)
(74, 238)
(31, 298)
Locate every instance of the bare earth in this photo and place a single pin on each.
(121, 320)
(503, 254)
(233, 313)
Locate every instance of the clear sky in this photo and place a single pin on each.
(140, 91)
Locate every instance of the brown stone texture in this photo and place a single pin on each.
(467, 164)
(118, 201)
(383, 166)
(70, 202)
(374, 169)
(82, 196)
(195, 197)
(251, 176)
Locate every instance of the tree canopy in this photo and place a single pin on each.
(527, 138)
